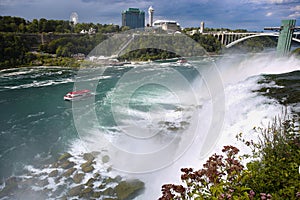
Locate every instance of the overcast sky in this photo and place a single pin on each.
(234, 14)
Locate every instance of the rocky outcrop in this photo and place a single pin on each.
(76, 177)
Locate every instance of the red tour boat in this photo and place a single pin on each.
(77, 95)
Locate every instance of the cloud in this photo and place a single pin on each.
(272, 1)
(295, 15)
(269, 14)
(297, 8)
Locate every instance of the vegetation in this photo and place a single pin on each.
(256, 44)
(296, 52)
(208, 42)
(147, 54)
(272, 173)
(20, 25)
(22, 39)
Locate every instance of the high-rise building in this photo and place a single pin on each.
(150, 12)
(201, 27)
(133, 18)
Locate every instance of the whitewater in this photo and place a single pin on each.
(151, 119)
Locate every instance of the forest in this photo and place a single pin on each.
(55, 42)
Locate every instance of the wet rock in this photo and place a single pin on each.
(77, 178)
(90, 182)
(128, 189)
(86, 193)
(75, 191)
(42, 183)
(55, 165)
(64, 157)
(87, 166)
(67, 164)
(108, 180)
(53, 173)
(118, 178)
(105, 159)
(88, 157)
(69, 172)
(109, 199)
(64, 198)
(184, 123)
(59, 190)
(97, 176)
(108, 192)
(96, 194)
(88, 169)
(10, 185)
(179, 109)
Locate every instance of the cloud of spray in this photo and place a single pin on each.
(136, 151)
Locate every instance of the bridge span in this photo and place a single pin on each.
(229, 39)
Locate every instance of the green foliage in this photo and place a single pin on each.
(147, 54)
(208, 42)
(256, 44)
(277, 169)
(296, 52)
(273, 172)
(17, 24)
(221, 178)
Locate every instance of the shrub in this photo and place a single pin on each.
(276, 170)
(221, 178)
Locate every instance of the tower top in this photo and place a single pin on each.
(150, 9)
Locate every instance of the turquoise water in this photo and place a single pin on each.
(37, 125)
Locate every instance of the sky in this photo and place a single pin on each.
(234, 14)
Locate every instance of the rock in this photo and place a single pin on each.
(88, 157)
(87, 192)
(97, 176)
(64, 198)
(42, 183)
(108, 192)
(90, 182)
(64, 157)
(96, 194)
(77, 178)
(55, 165)
(11, 185)
(128, 189)
(108, 180)
(87, 166)
(67, 164)
(69, 172)
(58, 191)
(110, 199)
(118, 178)
(105, 159)
(88, 169)
(75, 190)
(53, 173)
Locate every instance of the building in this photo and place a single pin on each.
(133, 18)
(167, 25)
(201, 27)
(150, 12)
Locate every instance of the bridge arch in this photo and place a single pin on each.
(258, 35)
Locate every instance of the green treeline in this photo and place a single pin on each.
(20, 25)
(55, 42)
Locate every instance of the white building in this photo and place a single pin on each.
(150, 12)
(167, 25)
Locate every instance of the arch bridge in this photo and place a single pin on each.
(229, 39)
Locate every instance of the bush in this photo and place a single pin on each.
(278, 152)
(273, 172)
(221, 178)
